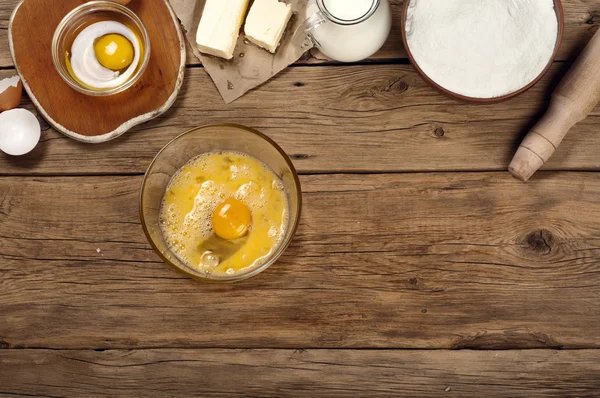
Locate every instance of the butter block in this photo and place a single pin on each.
(266, 23)
(220, 25)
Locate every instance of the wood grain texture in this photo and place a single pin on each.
(300, 373)
(446, 260)
(83, 117)
(582, 18)
(381, 118)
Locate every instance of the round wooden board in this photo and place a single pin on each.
(96, 119)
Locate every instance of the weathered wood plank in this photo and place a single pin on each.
(299, 373)
(454, 260)
(333, 119)
(581, 19)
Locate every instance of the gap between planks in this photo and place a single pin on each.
(298, 349)
(311, 173)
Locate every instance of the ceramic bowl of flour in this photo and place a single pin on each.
(482, 51)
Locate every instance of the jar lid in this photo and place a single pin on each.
(327, 8)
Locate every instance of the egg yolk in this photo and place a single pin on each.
(231, 219)
(114, 52)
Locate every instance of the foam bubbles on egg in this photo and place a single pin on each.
(197, 189)
(206, 201)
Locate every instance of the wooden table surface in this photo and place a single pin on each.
(420, 268)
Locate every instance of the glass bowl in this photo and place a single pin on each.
(226, 137)
(81, 17)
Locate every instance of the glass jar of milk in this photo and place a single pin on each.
(348, 30)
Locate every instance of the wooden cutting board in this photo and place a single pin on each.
(96, 119)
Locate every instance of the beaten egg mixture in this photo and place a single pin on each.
(224, 213)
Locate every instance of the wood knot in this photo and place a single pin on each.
(505, 340)
(541, 241)
(401, 87)
(413, 281)
(439, 132)
(398, 86)
(299, 156)
(299, 84)
(424, 311)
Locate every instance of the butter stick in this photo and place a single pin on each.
(220, 26)
(266, 23)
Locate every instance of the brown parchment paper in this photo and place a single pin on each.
(251, 66)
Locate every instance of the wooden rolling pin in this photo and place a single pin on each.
(572, 101)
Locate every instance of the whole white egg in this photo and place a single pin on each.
(20, 132)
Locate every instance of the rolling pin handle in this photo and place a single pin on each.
(572, 101)
(541, 142)
(525, 163)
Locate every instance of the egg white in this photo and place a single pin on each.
(86, 66)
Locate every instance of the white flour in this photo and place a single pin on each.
(482, 48)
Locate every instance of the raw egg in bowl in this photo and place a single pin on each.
(101, 48)
(221, 203)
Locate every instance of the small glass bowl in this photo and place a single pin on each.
(81, 17)
(226, 137)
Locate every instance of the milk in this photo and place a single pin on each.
(350, 34)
